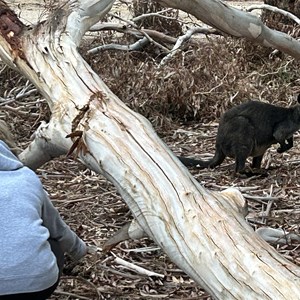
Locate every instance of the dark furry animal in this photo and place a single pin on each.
(249, 129)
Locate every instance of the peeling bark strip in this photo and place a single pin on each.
(236, 23)
(203, 232)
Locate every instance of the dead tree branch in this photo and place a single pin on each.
(274, 9)
(237, 23)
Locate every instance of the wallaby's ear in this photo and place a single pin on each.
(298, 98)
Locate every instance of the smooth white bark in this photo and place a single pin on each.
(237, 23)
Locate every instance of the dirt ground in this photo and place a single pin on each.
(93, 208)
(30, 11)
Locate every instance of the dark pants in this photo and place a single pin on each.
(45, 294)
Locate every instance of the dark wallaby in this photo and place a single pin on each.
(249, 129)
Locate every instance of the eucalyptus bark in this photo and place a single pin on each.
(237, 23)
(203, 232)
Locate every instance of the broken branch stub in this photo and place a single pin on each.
(10, 29)
(203, 232)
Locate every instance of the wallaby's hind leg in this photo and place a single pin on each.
(256, 162)
(240, 162)
(217, 159)
(241, 154)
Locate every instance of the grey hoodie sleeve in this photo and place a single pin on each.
(61, 232)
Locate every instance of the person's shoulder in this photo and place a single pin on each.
(32, 181)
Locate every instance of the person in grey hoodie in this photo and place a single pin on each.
(33, 237)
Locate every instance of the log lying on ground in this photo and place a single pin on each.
(237, 23)
(203, 232)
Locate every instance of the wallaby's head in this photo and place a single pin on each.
(7, 137)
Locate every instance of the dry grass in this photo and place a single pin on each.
(184, 101)
(201, 82)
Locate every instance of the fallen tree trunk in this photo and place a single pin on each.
(237, 23)
(203, 232)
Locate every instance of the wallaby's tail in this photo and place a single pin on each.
(211, 163)
(191, 162)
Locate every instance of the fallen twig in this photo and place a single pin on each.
(136, 268)
(76, 296)
(277, 236)
(133, 47)
(260, 199)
